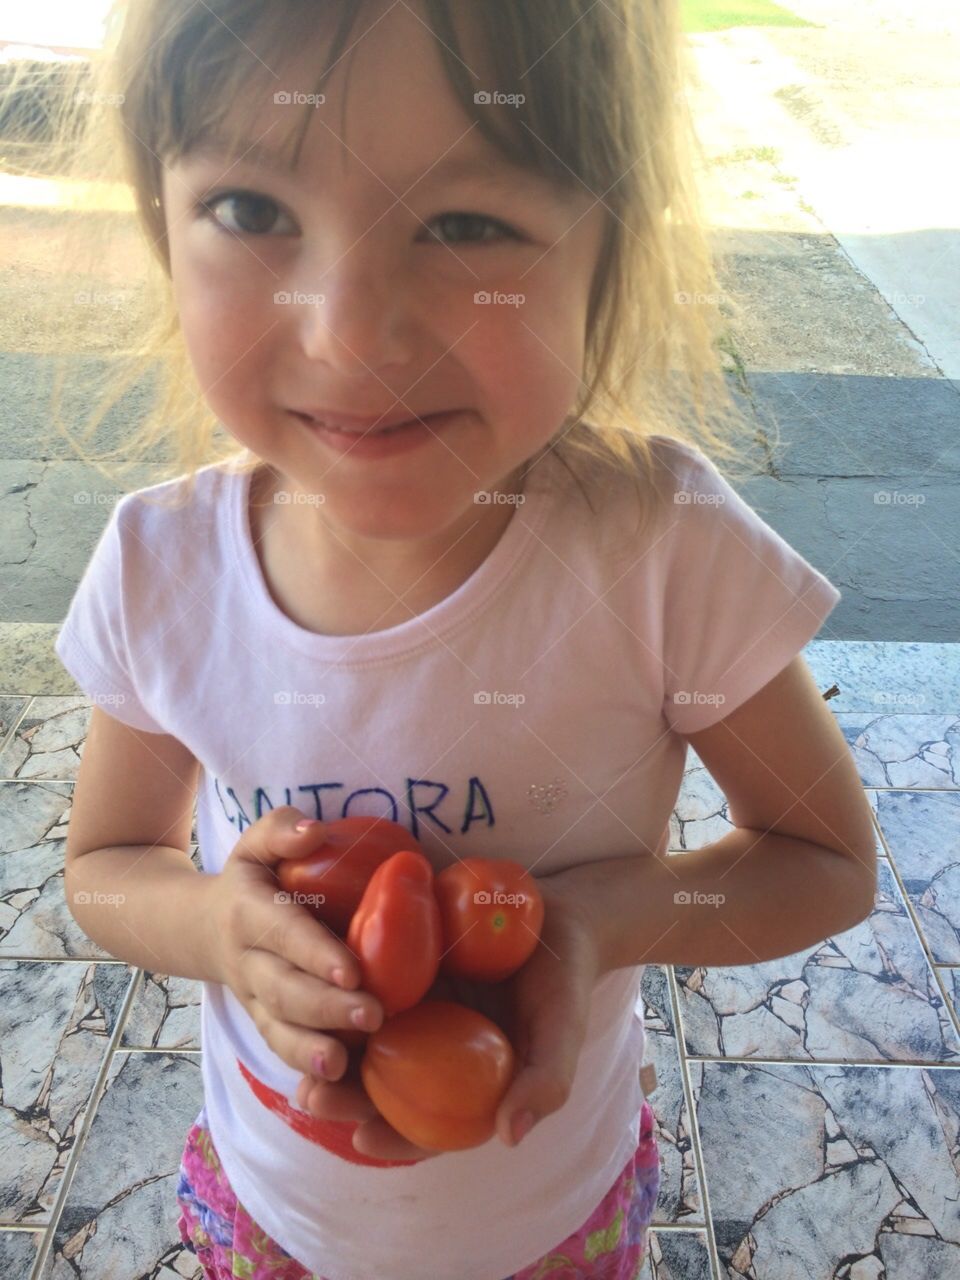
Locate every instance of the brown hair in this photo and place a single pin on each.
(605, 108)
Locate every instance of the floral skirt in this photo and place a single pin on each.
(611, 1244)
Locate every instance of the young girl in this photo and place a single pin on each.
(468, 570)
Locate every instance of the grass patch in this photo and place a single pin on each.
(741, 154)
(714, 15)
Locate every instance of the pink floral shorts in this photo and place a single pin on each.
(611, 1244)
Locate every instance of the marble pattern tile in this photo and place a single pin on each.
(677, 1255)
(57, 1023)
(904, 751)
(48, 740)
(819, 1171)
(922, 831)
(119, 1217)
(878, 1131)
(866, 995)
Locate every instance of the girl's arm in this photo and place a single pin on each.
(799, 867)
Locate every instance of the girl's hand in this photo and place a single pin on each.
(542, 1009)
(277, 958)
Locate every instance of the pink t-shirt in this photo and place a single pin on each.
(535, 713)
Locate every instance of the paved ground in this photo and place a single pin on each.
(839, 273)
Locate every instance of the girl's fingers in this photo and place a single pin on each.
(340, 1101)
(378, 1139)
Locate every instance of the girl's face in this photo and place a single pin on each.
(352, 284)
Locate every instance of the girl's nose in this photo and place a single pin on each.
(352, 318)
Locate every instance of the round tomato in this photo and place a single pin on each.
(491, 912)
(332, 878)
(437, 1073)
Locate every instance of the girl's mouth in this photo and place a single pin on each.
(379, 442)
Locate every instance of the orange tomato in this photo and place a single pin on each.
(437, 1073)
(491, 912)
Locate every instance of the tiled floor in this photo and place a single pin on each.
(808, 1108)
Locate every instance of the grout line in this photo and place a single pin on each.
(29, 700)
(898, 879)
(79, 1142)
(694, 1124)
(881, 1064)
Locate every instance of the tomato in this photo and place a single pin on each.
(437, 1073)
(492, 913)
(336, 874)
(395, 932)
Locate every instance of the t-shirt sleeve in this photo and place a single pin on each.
(740, 602)
(93, 642)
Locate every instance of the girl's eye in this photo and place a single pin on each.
(255, 215)
(475, 222)
(257, 212)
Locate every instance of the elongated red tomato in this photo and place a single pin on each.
(491, 912)
(437, 1074)
(331, 880)
(395, 932)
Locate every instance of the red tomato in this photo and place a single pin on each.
(334, 876)
(437, 1073)
(395, 932)
(492, 914)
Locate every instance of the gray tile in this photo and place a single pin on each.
(11, 707)
(868, 994)
(903, 751)
(922, 831)
(869, 672)
(165, 1014)
(677, 1255)
(48, 741)
(56, 1024)
(34, 919)
(19, 1250)
(120, 1214)
(810, 1168)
